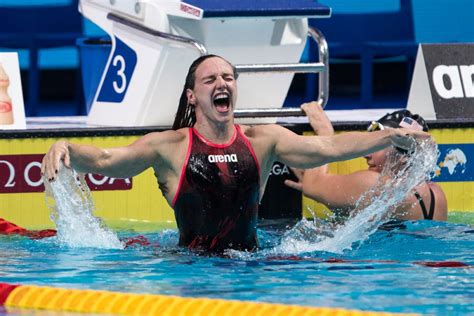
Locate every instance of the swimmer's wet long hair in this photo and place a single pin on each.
(186, 115)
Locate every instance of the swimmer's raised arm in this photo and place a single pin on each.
(119, 162)
(312, 151)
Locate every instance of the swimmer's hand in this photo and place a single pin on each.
(318, 119)
(297, 185)
(57, 154)
(406, 139)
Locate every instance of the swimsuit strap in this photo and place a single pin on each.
(432, 206)
(426, 214)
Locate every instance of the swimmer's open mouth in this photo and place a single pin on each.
(222, 102)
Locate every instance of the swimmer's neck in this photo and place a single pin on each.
(219, 133)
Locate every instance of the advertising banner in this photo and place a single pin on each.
(443, 82)
(12, 110)
(22, 174)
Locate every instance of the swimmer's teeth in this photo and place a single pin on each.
(221, 99)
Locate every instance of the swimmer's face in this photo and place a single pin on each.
(215, 90)
(376, 160)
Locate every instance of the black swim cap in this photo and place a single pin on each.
(394, 119)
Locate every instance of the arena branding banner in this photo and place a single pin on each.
(443, 82)
(12, 110)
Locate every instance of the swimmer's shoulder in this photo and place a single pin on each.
(167, 141)
(168, 136)
(357, 182)
(410, 208)
(169, 146)
(262, 130)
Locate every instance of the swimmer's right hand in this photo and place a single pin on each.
(59, 152)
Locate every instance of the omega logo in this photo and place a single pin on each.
(10, 183)
(11, 179)
(93, 180)
(279, 169)
(22, 173)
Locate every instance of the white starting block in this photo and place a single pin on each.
(155, 41)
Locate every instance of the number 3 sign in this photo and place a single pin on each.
(119, 73)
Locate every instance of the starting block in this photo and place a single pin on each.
(155, 41)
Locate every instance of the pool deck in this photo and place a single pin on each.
(339, 116)
(342, 120)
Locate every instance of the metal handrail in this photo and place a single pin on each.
(293, 68)
(171, 37)
(323, 55)
(321, 67)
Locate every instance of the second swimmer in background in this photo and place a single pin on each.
(340, 192)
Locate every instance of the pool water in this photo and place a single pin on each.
(419, 267)
(413, 267)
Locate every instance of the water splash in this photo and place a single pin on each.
(70, 202)
(400, 175)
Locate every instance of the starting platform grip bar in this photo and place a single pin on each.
(171, 37)
(271, 112)
(294, 68)
(322, 67)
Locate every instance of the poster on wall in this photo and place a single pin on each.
(12, 109)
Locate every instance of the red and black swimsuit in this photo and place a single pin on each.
(217, 199)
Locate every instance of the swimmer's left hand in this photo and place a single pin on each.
(318, 119)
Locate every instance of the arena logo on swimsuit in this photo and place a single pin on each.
(222, 158)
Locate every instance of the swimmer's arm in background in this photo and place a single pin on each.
(334, 191)
(321, 126)
(119, 162)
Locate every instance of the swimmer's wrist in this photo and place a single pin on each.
(328, 131)
(68, 146)
(392, 135)
(396, 135)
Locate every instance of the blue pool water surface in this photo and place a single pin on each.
(391, 271)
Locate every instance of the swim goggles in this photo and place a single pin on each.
(407, 122)
(377, 126)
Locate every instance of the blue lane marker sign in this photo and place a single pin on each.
(119, 73)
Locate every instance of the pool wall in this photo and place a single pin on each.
(137, 203)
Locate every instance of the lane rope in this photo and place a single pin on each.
(107, 302)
